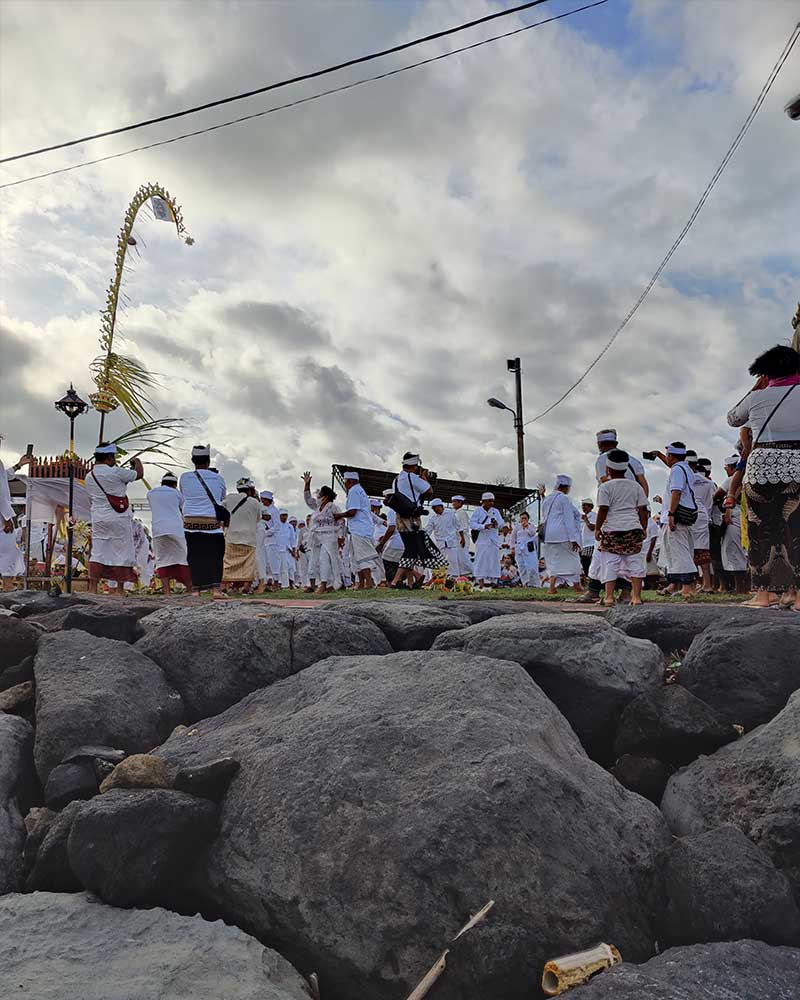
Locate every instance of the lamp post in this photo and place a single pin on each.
(514, 365)
(73, 406)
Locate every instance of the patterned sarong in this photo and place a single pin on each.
(622, 543)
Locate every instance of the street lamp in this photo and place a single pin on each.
(72, 406)
(514, 365)
(792, 109)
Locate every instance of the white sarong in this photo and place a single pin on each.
(563, 563)
(487, 559)
(170, 550)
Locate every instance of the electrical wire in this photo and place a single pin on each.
(697, 209)
(282, 83)
(302, 100)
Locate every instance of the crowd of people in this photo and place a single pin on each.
(204, 538)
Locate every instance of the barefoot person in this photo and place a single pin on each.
(486, 522)
(562, 537)
(622, 517)
(169, 538)
(358, 518)
(113, 556)
(203, 490)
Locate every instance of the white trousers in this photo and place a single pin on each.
(278, 560)
(330, 566)
(612, 566)
(528, 566)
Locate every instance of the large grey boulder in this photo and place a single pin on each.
(733, 970)
(746, 672)
(94, 690)
(647, 776)
(18, 640)
(720, 887)
(104, 620)
(55, 946)
(753, 784)
(215, 657)
(16, 780)
(407, 625)
(48, 863)
(674, 626)
(671, 725)
(137, 847)
(588, 669)
(36, 602)
(382, 800)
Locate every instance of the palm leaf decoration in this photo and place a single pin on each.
(121, 380)
(154, 439)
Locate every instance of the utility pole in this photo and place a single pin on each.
(515, 366)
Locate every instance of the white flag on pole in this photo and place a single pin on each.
(161, 209)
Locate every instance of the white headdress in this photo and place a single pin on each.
(106, 449)
(563, 481)
(201, 451)
(487, 496)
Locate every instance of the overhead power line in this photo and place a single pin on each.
(303, 100)
(690, 222)
(277, 86)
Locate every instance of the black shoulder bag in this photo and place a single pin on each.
(686, 515)
(402, 505)
(222, 514)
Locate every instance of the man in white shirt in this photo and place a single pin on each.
(360, 524)
(589, 519)
(272, 538)
(203, 490)
(464, 538)
(622, 517)
(169, 539)
(562, 537)
(704, 490)
(112, 555)
(681, 570)
(606, 442)
(487, 521)
(443, 526)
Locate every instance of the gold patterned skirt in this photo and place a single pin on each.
(240, 563)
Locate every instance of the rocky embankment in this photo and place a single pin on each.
(245, 801)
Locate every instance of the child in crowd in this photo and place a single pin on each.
(509, 574)
(622, 516)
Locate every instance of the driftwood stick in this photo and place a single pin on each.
(423, 986)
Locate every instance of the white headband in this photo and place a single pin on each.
(563, 481)
(351, 475)
(457, 496)
(437, 503)
(733, 460)
(376, 503)
(265, 495)
(412, 460)
(487, 496)
(588, 500)
(106, 449)
(617, 466)
(606, 436)
(201, 451)
(282, 513)
(671, 450)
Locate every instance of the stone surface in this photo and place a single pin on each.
(16, 788)
(55, 946)
(90, 689)
(18, 674)
(38, 602)
(588, 669)
(15, 699)
(37, 823)
(383, 800)
(644, 775)
(720, 887)
(671, 724)
(18, 639)
(137, 847)
(140, 770)
(215, 656)
(745, 672)
(68, 782)
(406, 625)
(48, 860)
(209, 781)
(734, 970)
(674, 626)
(102, 620)
(753, 784)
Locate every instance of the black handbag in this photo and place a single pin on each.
(222, 514)
(686, 515)
(403, 505)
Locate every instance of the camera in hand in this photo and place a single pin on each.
(649, 456)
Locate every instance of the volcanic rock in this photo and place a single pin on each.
(383, 800)
(55, 946)
(18, 639)
(137, 848)
(644, 775)
(753, 784)
(90, 689)
(216, 657)
(49, 861)
(17, 788)
(407, 625)
(745, 672)
(109, 622)
(588, 669)
(674, 626)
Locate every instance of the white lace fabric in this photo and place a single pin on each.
(773, 465)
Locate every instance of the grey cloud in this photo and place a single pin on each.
(286, 326)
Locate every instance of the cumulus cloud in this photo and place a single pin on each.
(365, 264)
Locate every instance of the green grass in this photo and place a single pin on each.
(512, 594)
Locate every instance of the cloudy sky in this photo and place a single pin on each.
(364, 264)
